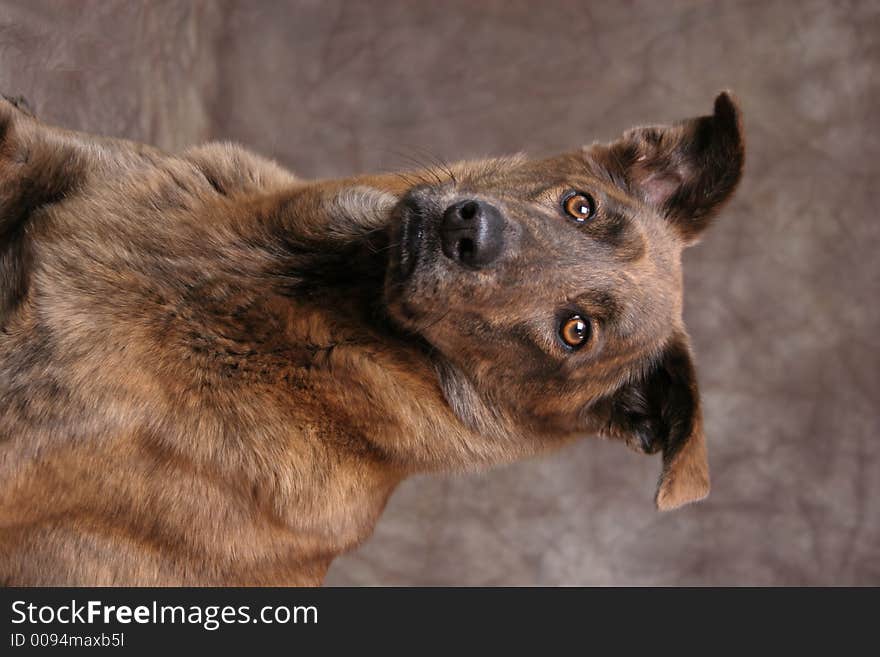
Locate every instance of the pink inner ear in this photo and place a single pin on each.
(659, 187)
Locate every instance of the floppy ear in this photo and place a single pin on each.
(661, 411)
(687, 170)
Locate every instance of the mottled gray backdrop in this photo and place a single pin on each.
(781, 295)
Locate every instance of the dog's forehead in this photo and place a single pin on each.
(542, 180)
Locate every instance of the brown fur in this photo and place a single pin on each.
(213, 372)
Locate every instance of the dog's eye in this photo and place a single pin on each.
(580, 206)
(574, 331)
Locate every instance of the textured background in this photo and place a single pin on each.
(781, 295)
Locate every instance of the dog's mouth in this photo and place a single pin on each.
(412, 277)
(412, 234)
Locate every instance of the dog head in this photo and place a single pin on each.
(554, 286)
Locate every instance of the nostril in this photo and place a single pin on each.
(465, 249)
(469, 210)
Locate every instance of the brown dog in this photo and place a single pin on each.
(213, 372)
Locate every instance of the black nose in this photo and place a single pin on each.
(472, 233)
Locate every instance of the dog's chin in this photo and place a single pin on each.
(404, 306)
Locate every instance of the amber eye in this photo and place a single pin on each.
(580, 206)
(575, 331)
